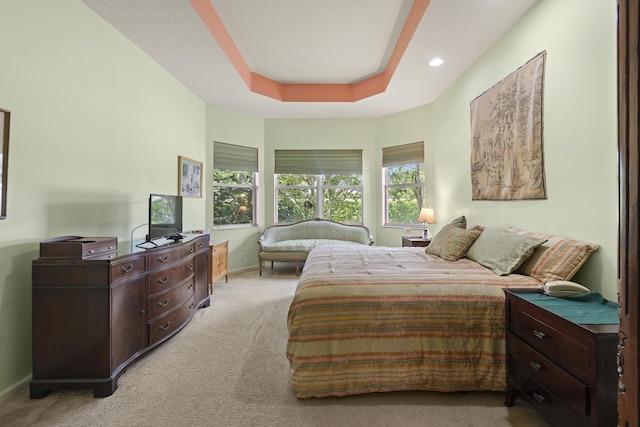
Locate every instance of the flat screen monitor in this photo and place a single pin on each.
(165, 217)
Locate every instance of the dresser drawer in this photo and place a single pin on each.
(162, 280)
(127, 267)
(169, 256)
(571, 391)
(167, 301)
(167, 325)
(561, 348)
(78, 247)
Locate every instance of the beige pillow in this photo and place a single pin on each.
(451, 242)
(502, 251)
(558, 258)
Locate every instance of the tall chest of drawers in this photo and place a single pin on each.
(565, 370)
(95, 315)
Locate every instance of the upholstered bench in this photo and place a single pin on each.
(293, 242)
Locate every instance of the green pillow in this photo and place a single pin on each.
(451, 242)
(460, 222)
(502, 251)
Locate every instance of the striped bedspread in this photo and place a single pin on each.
(375, 319)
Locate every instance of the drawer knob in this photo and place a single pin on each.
(126, 269)
(163, 281)
(163, 303)
(535, 365)
(539, 334)
(165, 327)
(163, 258)
(539, 398)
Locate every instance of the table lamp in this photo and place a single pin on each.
(427, 216)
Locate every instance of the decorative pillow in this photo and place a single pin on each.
(558, 258)
(460, 222)
(502, 251)
(451, 242)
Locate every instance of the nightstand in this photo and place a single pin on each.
(218, 260)
(414, 242)
(566, 370)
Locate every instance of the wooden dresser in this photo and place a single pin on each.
(565, 370)
(96, 311)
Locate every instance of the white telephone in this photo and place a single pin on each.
(563, 288)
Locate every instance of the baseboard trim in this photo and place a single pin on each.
(13, 388)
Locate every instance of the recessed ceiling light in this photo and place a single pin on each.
(436, 62)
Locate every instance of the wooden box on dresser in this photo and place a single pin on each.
(94, 316)
(565, 370)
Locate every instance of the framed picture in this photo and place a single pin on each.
(189, 177)
(5, 117)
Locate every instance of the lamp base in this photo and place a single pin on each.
(425, 234)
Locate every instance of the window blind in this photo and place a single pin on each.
(318, 162)
(234, 157)
(403, 154)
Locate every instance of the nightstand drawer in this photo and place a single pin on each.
(561, 348)
(544, 400)
(572, 392)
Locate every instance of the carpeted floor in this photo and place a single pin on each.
(228, 368)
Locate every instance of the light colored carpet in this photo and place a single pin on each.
(228, 368)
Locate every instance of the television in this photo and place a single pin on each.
(165, 217)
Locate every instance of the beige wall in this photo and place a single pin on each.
(96, 126)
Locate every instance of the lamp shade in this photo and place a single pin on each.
(427, 215)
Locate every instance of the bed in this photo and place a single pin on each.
(377, 319)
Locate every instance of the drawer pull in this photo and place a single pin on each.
(163, 281)
(165, 327)
(539, 334)
(163, 303)
(539, 398)
(91, 251)
(110, 248)
(191, 267)
(191, 250)
(126, 269)
(191, 306)
(535, 365)
(163, 258)
(190, 286)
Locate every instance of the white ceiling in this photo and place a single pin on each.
(313, 41)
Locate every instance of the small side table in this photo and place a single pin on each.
(414, 242)
(218, 261)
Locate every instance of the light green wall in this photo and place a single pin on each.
(403, 128)
(96, 126)
(580, 136)
(241, 129)
(323, 133)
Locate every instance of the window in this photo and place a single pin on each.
(235, 184)
(318, 184)
(403, 172)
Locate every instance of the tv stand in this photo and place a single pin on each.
(96, 312)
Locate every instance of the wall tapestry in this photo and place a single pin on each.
(506, 137)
